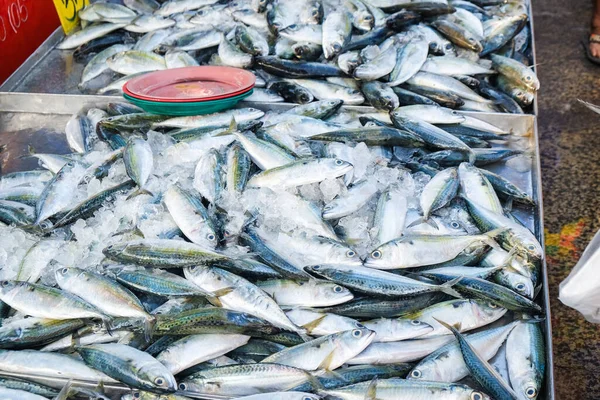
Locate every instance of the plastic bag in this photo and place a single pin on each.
(581, 289)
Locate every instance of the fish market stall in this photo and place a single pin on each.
(125, 211)
(375, 53)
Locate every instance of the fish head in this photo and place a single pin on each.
(380, 257)
(476, 395)
(64, 274)
(329, 291)
(527, 388)
(6, 287)
(357, 338)
(338, 252)
(158, 378)
(113, 250)
(487, 311)
(200, 384)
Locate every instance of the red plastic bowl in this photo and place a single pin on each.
(191, 84)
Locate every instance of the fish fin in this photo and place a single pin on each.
(326, 363)
(455, 329)
(149, 323)
(65, 391)
(537, 290)
(508, 206)
(472, 157)
(491, 235)
(313, 324)
(233, 127)
(371, 393)
(447, 287)
(139, 192)
(302, 333)
(222, 292)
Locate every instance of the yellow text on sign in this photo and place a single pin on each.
(67, 12)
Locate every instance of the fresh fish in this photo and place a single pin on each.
(87, 34)
(292, 92)
(375, 282)
(477, 188)
(301, 173)
(453, 66)
(525, 356)
(29, 332)
(160, 253)
(98, 65)
(218, 119)
(179, 59)
(149, 23)
(46, 302)
(417, 251)
(381, 65)
(231, 55)
(321, 324)
(482, 372)
(159, 282)
(515, 71)
(327, 352)
(441, 82)
(390, 216)
(330, 91)
(195, 349)
(130, 366)
(438, 192)
(12, 212)
(139, 162)
(134, 61)
(431, 114)
(312, 293)
(380, 95)
(358, 195)
(297, 69)
(243, 380)
(410, 59)
(142, 6)
(458, 34)
(446, 364)
(337, 29)
(387, 353)
(240, 295)
(179, 6)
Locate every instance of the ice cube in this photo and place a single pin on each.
(330, 188)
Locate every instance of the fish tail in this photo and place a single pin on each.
(455, 329)
(448, 288)
(149, 323)
(490, 237)
(424, 220)
(139, 192)
(472, 157)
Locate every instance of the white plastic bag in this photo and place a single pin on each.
(581, 289)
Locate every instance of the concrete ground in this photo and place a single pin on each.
(570, 149)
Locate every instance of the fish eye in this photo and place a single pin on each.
(357, 333)
(338, 289)
(306, 398)
(476, 396)
(350, 253)
(415, 322)
(368, 18)
(64, 271)
(528, 78)
(293, 27)
(227, 233)
(520, 287)
(531, 392)
(315, 267)
(211, 237)
(136, 395)
(337, 47)
(159, 381)
(531, 247)
(182, 386)
(455, 225)
(338, 162)
(416, 373)
(5, 283)
(376, 254)
(448, 46)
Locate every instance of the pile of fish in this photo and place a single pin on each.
(464, 55)
(309, 253)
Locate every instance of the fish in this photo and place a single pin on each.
(337, 29)
(158, 282)
(161, 253)
(446, 364)
(98, 65)
(390, 216)
(321, 324)
(313, 293)
(244, 380)
(526, 360)
(29, 332)
(481, 371)
(477, 188)
(139, 162)
(130, 366)
(135, 61)
(58, 193)
(300, 173)
(88, 34)
(327, 352)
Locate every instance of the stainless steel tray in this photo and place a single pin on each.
(50, 70)
(39, 120)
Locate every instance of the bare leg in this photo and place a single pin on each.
(595, 47)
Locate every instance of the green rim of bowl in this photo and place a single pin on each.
(193, 108)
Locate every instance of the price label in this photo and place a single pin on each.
(67, 12)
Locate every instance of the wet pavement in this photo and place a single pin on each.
(570, 149)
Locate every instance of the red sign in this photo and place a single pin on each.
(24, 25)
